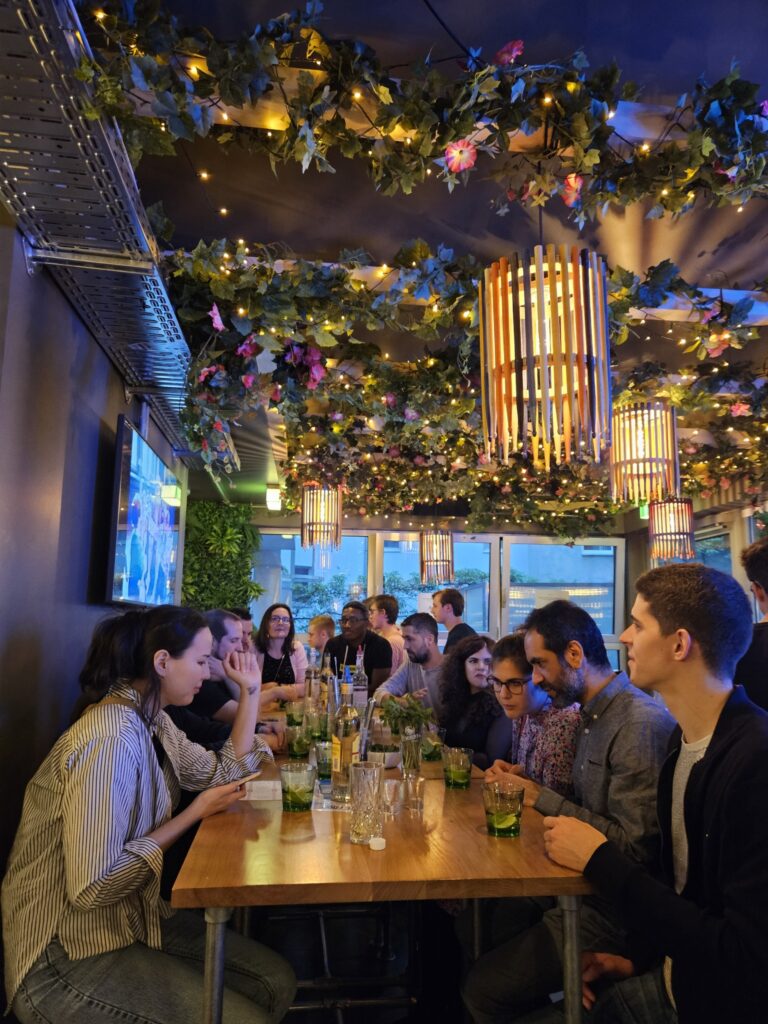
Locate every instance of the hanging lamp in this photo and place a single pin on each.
(320, 516)
(545, 356)
(644, 455)
(670, 531)
(436, 556)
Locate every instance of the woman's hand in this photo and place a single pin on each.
(215, 799)
(601, 965)
(242, 668)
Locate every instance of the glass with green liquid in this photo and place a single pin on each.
(298, 742)
(503, 802)
(297, 781)
(457, 767)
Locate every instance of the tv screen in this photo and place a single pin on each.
(145, 523)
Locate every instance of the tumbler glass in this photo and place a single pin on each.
(432, 740)
(503, 802)
(297, 781)
(294, 712)
(365, 800)
(457, 767)
(298, 742)
(324, 758)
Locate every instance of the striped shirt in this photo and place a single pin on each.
(81, 869)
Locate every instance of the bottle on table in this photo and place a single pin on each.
(327, 679)
(360, 681)
(345, 742)
(312, 680)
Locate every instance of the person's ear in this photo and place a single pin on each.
(683, 645)
(160, 662)
(574, 654)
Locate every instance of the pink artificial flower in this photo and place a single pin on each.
(336, 417)
(316, 374)
(218, 425)
(711, 313)
(509, 53)
(248, 379)
(506, 489)
(393, 452)
(460, 156)
(276, 393)
(572, 189)
(250, 347)
(725, 483)
(419, 460)
(409, 415)
(204, 445)
(293, 354)
(482, 459)
(213, 313)
(690, 449)
(312, 355)
(764, 108)
(741, 409)
(205, 373)
(716, 344)
(390, 400)
(706, 494)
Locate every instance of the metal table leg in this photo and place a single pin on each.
(477, 930)
(571, 908)
(215, 919)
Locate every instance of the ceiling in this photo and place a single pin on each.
(662, 44)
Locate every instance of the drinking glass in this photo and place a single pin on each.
(391, 797)
(297, 781)
(503, 802)
(324, 758)
(298, 742)
(294, 712)
(413, 796)
(410, 751)
(432, 740)
(365, 789)
(318, 725)
(457, 767)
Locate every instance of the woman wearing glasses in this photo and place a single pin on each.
(469, 711)
(543, 737)
(281, 658)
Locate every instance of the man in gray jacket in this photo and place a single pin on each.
(620, 747)
(419, 674)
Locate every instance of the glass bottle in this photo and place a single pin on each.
(345, 743)
(360, 681)
(327, 680)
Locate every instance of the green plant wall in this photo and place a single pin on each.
(218, 552)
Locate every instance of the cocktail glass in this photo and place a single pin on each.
(294, 712)
(503, 802)
(432, 740)
(324, 758)
(297, 780)
(457, 767)
(298, 742)
(318, 725)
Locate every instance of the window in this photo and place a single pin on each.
(714, 550)
(540, 573)
(472, 567)
(310, 580)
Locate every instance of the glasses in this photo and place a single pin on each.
(350, 620)
(280, 618)
(510, 685)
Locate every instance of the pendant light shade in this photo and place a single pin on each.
(320, 516)
(670, 531)
(436, 556)
(644, 457)
(545, 357)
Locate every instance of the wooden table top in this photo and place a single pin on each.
(254, 854)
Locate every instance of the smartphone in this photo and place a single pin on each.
(249, 778)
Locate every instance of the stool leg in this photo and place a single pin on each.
(216, 920)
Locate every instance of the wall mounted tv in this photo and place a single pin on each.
(147, 511)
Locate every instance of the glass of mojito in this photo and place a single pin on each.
(503, 802)
(297, 780)
(432, 740)
(298, 742)
(457, 766)
(324, 758)
(318, 725)
(410, 753)
(294, 712)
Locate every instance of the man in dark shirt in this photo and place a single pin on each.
(447, 609)
(752, 670)
(377, 652)
(697, 949)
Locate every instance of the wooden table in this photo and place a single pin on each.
(238, 859)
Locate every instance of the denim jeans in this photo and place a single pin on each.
(139, 985)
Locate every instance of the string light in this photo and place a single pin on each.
(204, 176)
(223, 211)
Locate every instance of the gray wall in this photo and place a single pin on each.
(59, 403)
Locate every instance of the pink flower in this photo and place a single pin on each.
(764, 108)
(482, 459)
(706, 494)
(725, 483)
(312, 355)
(393, 452)
(336, 417)
(509, 53)
(716, 344)
(205, 373)
(409, 415)
(248, 379)
(218, 425)
(293, 354)
(204, 445)
(572, 189)
(215, 316)
(711, 313)
(419, 460)
(250, 347)
(276, 393)
(741, 409)
(690, 449)
(390, 400)
(506, 489)
(316, 374)
(460, 156)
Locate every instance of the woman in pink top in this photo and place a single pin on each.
(544, 737)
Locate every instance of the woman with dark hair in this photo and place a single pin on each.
(88, 937)
(543, 736)
(469, 711)
(281, 658)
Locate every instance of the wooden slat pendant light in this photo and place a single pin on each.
(320, 516)
(670, 531)
(644, 456)
(545, 356)
(436, 556)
